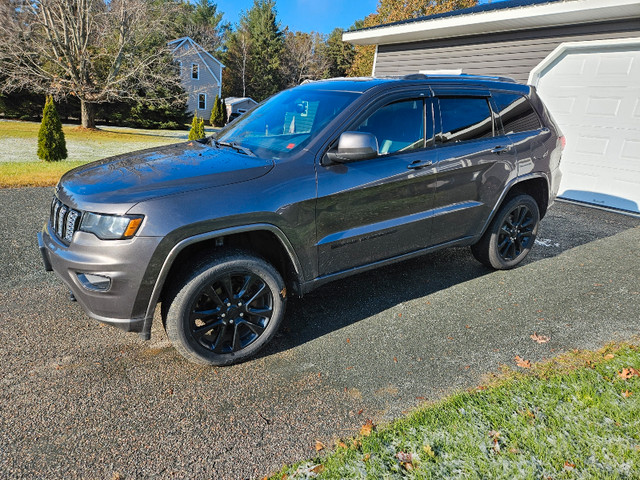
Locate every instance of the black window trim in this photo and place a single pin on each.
(423, 94)
(496, 112)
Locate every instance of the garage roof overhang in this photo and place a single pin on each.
(523, 18)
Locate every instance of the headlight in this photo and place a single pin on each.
(110, 227)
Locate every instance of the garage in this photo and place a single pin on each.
(582, 55)
(592, 89)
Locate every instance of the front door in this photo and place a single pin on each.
(374, 209)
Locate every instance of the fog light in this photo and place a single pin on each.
(96, 283)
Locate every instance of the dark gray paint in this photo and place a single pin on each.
(512, 54)
(333, 220)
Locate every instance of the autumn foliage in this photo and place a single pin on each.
(390, 11)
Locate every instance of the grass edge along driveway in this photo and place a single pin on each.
(574, 416)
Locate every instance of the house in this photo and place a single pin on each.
(238, 104)
(201, 75)
(583, 56)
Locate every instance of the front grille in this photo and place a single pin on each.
(64, 220)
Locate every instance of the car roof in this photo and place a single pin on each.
(363, 84)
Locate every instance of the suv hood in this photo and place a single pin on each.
(134, 177)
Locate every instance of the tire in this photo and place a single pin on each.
(226, 309)
(510, 235)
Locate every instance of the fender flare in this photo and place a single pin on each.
(186, 242)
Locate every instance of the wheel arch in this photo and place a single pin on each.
(534, 185)
(265, 240)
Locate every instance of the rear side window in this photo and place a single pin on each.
(465, 118)
(398, 126)
(516, 113)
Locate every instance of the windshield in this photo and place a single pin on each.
(286, 122)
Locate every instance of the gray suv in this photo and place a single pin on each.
(318, 182)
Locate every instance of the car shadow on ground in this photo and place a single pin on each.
(347, 301)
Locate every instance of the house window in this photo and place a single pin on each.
(202, 101)
(195, 71)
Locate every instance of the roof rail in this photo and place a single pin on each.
(425, 76)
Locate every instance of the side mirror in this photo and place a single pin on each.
(354, 146)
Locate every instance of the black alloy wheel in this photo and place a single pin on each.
(226, 309)
(516, 233)
(510, 235)
(231, 312)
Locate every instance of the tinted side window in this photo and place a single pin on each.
(465, 118)
(398, 126)
(516, 113)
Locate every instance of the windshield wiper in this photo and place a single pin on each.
(238, 148)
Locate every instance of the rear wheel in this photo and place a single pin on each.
(511, 234)
(226, 310)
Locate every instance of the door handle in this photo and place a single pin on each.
(500, 149)
(417, 165)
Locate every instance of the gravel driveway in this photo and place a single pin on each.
(79, 400)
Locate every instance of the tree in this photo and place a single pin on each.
(217, 117)
(95, 50)
(237, 57)
(254, 53)
(225, 117)
(52, 146)
(303, 58)
(197, 128)
(395, 10)
(339, 54)
(202, 22)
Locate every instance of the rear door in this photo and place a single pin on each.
(475, 161)
(379, 208)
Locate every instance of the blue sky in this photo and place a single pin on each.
(307, 15)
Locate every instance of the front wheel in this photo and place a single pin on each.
(227, 309)
(511, 234)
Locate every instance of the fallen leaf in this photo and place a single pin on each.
(367, 428)
(627, 373)
(341, 444)
(539, 338)
(406, 458)
(627, 394)
(496, 446)
(609, 356)
(494, 434)
(319, 445)
(395, 360)
(366, 457)
(360, 411)
(429, 451)
(522, 363)
(348, 341)
(569, 466)
(317, 469)
(598, 284)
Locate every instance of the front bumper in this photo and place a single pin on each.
(124, 262)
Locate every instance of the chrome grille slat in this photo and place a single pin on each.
(64, 220)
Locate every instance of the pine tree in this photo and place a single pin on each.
(225, 117)
(197, 128)
(217, 117)
(52, 146)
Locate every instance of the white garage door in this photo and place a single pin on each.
(592, 90)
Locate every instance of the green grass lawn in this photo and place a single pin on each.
(577, 416)
(20, 165)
